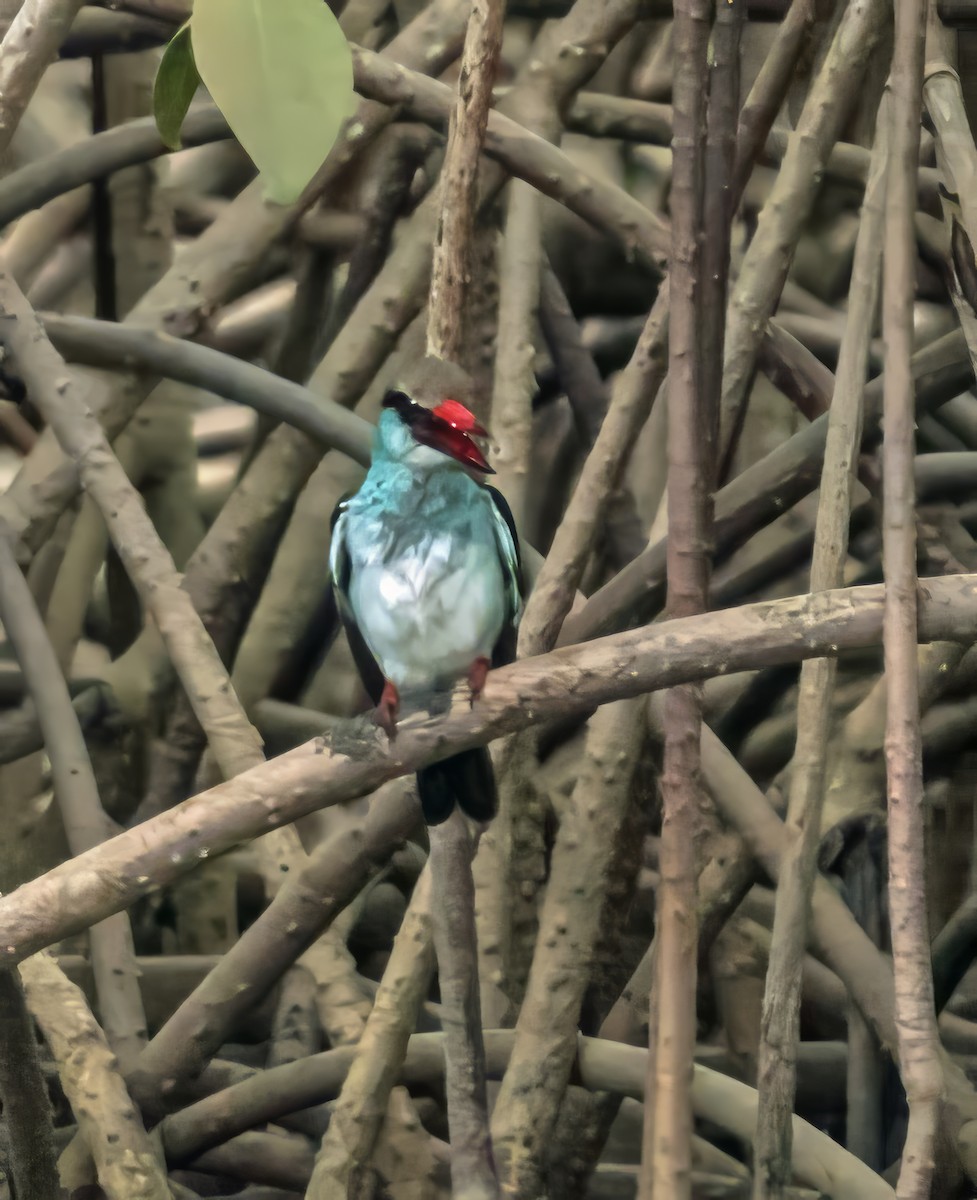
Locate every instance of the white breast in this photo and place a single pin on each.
(429, 612)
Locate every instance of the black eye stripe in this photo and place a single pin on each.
(406, 408)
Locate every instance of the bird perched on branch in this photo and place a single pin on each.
(425, 564)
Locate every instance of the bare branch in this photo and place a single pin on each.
(28, 47)
(23, 1093)
(344, 1155)
(603, 1066)
(666, 1156)
(766, 262)
(234, 740)
(520, 261)
(919, 1045)
(451, 269)
(85, 822)
(781, 1002)
(124, 1155)
(565, 683)
(536, 1077)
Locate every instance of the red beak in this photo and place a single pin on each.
(451, 430)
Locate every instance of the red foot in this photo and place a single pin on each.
(387, 709)
(477, 673)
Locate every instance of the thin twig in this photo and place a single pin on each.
(514, 381)
(453, 911)
(767, 259)
(451, 270)
(781, 1002)
(148, 563)
(573, 543)
(104, 344)
(919, 1045)
(763, 102)
(472, 1169)
(85, 822)
(666, 1159)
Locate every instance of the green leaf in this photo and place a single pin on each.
(282, 74)
(176, 84)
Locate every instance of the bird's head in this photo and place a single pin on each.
(425, 418)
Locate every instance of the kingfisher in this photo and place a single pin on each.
(426, 569)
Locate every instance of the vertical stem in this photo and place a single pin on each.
(667, 1152)
(472, 1168)
(915, 1016)
(453, 910)
(782, 993)
(23, 1093)
(450, 273)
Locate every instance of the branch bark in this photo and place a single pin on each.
(344, 1156)
(346, 763)
(666, 1157)
(23, 1093)
(767, 260)
(472, 1167)
(76, 792)
(28, 47)
(451, 269)
(919, 1045)
(124, 1155)
(782, 996)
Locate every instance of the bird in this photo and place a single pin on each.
(426, 570)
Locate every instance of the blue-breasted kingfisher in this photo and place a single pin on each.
(426, 569)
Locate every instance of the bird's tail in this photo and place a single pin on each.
(466, 778)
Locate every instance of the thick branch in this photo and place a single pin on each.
(124, 1155)
(565, 683)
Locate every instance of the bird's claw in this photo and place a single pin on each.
(388, 709)
(477, 674)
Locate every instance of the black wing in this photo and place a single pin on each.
(341, 568)
(507, 539)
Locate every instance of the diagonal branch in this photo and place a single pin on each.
(124, 1155)
(65, 406)
(27, 49)
(76, 792)
(566, 683)
(767, 260)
